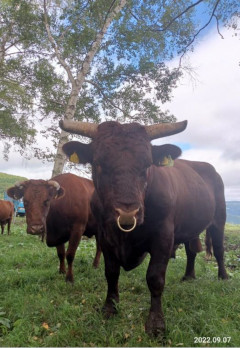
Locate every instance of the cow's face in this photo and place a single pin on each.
(37, 196)
(120, 156)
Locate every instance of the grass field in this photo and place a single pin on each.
(7, 180)
(37, 307)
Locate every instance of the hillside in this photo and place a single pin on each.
(7, 180)
(233, 212)
(233, 207)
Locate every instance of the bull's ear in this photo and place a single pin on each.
(78, 152)
(60, 193)
(15, 192)
(56, 193)
(163, 155)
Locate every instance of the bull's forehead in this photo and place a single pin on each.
(116, 128)
(114, 138)
(36, 189)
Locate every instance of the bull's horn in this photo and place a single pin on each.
(54, 184)
(20, 184)
(160, 130)
(82, 128)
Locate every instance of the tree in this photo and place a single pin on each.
(105, 59)
(29, 85)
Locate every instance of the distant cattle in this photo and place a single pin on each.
(59, 208)
(6, 214)
(144, 206)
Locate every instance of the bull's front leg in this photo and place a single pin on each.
(189, 272)
(112, 271)
(74, 240)
(9, 224)
(160, 254)
(61, 256)
(98, 255)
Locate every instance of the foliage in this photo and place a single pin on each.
(7, 181)
(93, 60)
(15, 95)
(28, 82)
(42, 310)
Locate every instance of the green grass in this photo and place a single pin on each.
(37, 307)
(7, 180)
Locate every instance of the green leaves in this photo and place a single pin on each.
(128, 77)
(5, 323)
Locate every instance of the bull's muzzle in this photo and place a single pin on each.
(36, 229)
(126, 219)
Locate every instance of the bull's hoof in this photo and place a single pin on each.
(223, 276)
(109, 310)
(62, 271)
(188, 277)
(155, 325)
(69, 278)
(95, 264)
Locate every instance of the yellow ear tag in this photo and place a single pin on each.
(167, 162)
(74, 158)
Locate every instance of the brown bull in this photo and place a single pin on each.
(6, 214)
(59, 208)
(143, 206)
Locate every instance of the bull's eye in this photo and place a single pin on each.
(143, 173)
(46, 203)
(99, 169)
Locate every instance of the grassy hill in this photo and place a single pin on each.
(39, 309)
(233, 212)
(7, 180)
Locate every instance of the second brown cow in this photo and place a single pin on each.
(6, 214)
(59, 208)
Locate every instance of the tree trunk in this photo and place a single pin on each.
(81, 75)
(60, 157)
(69, 114)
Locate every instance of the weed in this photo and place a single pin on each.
(38, 308)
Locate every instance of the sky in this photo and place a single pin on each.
(209, 99)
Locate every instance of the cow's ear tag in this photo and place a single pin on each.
(74, 158)
(167, 162)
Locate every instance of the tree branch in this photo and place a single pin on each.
(111, 14)
(108, 100)
(218, 30)
(55, 47)
(201, 29)
(74, 22)
(173, 19)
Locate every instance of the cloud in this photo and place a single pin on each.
(30, 169)
(211, 104)
(212, 107)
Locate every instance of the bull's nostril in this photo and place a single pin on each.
(127, 214)
(36, 229)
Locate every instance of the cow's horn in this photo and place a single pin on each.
(82, 128)
(160, 130)
(54, 184)
(20, 184)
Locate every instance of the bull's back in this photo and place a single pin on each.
(72, 209)
(207, 173)
(185, 196)
(6, 210)
(215, 185)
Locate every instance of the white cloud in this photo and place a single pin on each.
(212, 107)
(211, 104)
(30, 169)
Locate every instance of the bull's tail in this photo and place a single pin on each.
(208, 244)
